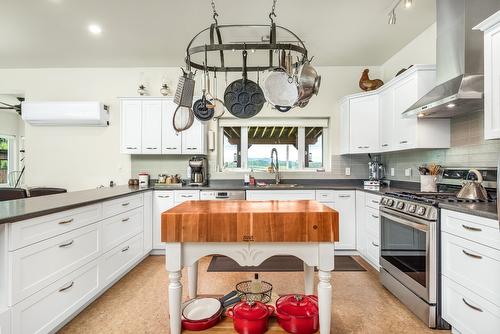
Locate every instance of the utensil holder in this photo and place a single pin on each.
(428, 183)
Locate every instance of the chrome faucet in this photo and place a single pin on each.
(275, 167)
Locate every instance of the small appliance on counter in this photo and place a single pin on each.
(375, 173)
(143, 180)
(198, 171)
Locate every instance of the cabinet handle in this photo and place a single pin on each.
(171, 148)
(126, 249)
(131, 148)
(404, 142)
(366, 146)
(164, 196)
(374, 244)
(470, 228)
(151, 148)
(186, 196)
(374, 201)
(374, 216)
(472, 255)
(125, 220)
(69, 286)
(385, 145)
(344, 196)
(125, 204)
(360, 146)
(471, 306)
(66, 221)
(69, 243)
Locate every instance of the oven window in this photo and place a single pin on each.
(405, 248)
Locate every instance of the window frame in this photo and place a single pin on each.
(11, 157)
(301, 124)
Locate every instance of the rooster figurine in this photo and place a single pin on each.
(366, 84)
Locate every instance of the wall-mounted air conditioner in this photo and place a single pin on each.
(90, 113)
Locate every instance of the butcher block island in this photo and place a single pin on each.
(250, 232)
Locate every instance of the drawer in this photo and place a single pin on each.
(472, 265)
(372, 201)
(467, 312)
(120, 205)
(325, 195)
(30, 231)
(118, 260)
(186, 195)
(373, 250)
(478, 229)
(372, 221)
(33, 268)
(120, 228)
(5, 321)
(45, 310)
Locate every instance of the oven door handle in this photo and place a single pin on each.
(419, 226)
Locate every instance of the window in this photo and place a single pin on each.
(6, 158)
(300, 144)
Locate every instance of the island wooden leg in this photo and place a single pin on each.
(174, 301)
(325, 301)
(192, 272)
(308, 279)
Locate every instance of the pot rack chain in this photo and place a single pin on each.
(215, 14)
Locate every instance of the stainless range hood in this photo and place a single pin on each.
(460, 60)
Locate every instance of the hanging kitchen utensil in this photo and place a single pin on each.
(279, 91)
(244, 98)
(183, 116)
(202, 109)
(219, 108)
(473, 190)
(308, 83)
(298, 314)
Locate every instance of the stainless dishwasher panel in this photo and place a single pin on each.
(222, 195)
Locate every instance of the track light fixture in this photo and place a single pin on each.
(392, 17)
(408, 3)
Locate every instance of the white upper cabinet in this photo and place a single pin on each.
(375, 120)
(363, 124)
(171, 139)
(131, 119)
(146, 128)
(491, 28)
(151, 127)
(344, 127)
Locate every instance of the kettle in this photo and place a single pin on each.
(473, 190)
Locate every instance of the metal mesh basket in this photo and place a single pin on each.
(246, 294)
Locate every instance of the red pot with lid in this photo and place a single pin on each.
(298, 314)
(250, 317)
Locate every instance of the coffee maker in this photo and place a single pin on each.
(198, 169)
(375, 169)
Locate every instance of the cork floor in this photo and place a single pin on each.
(138, 302)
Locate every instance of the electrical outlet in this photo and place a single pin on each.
(392, 171)
(408, 172)
(347, 171)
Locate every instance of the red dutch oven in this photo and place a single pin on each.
(298, 314)
(250, 317)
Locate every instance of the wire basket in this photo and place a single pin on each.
(247, 292)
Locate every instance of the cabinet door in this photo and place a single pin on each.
(345, 205)
(4, 321)
(171, 139)
(193, 139)
(363, 124)
(492, 84)
(131, 133)
(386, 105)
(360, 222)
(405, 94)
(162, 201)
(344, 128)
(151, 127)
(148, 221)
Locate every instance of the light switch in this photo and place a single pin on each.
(347, 171)
(408, 172)
(392, 171)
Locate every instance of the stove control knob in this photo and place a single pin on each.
(412, 208)
(390, 202)
(400, 205)
(421, 211)
(384, 201)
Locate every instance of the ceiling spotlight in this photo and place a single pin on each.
(392, 17)
(408, 3)
(95, 29)
(451, 105)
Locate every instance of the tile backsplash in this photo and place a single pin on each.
(468, 149)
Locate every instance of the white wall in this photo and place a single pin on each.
(9, 123)
(421, 50)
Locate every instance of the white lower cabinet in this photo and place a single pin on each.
(49, 307)
(148, 222)
(162, 201)
(5, 321)
(345, 203)
(117, 229)
(467, 312)
(118, 260)
(368, 227)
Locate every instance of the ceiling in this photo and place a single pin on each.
(53, 33)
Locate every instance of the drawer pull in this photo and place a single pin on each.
(374, 244)
(69, 286)
(374, 216)
(131, 148)
(164, 196)
(125, 204)
(69, 243)
(66, 221)
(344, 196)
(125, 220)
(126, 249)
(404, 142)
(186, 196)
(151, 148)
(374, 201)
(471, 306)
(472, 255)
(470, 228)
(385, 145)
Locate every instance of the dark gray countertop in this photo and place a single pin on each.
(17, 210)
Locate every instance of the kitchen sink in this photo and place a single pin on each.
(279, 186)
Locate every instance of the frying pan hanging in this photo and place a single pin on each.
(244, 98)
